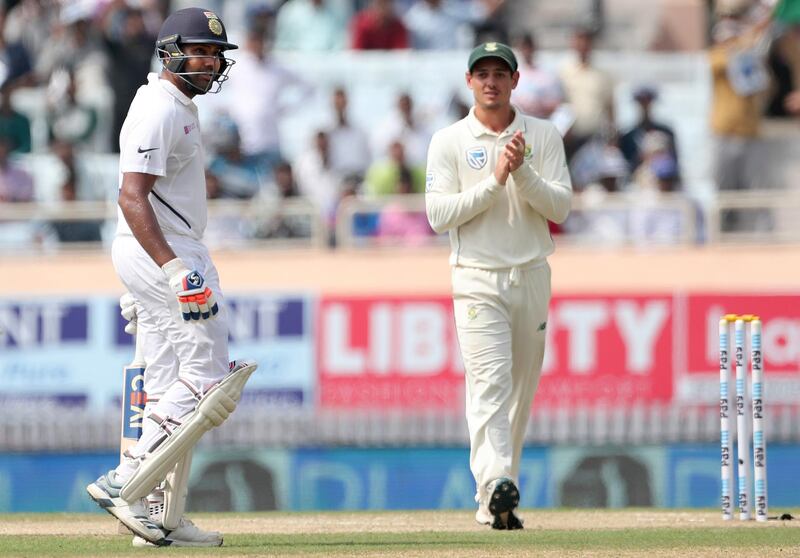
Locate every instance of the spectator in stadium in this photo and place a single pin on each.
(74, 43)
(16, 61)
(539, 92)
(15, 127)
(239, 177)
(272, 223)
(73, 170)
(73, 231)
(603, 171)
(599, 161)
(658, 169)
(589, 91)
(403, 125)
(495, 26)
(792, 102)
(69, 120)
(456, 107)
(212, 186)
(349, 146)
(385, 175)
(263, 92)
(226, 229)
(284, 182)
(318, 181)
(630, 143)
(377, 27)
(735, 111)
(310, 25)
(652, 221)
(16, 185)
(129, 43)
(445, 24)
(397, 224)
(29, 22)
(784, 66)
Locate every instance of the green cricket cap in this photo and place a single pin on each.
(493, 50)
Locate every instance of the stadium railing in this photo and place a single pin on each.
(754, 216)
(618, 219)
(42, 428)
(231, 224)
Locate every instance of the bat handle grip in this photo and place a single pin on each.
(138, 354)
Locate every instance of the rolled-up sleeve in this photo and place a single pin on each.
(445, 205)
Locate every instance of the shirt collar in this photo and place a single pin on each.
(170, 88)
(478, 129)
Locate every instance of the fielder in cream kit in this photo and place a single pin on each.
(179, 310)
(494, 179)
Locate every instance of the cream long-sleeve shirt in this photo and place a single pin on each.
(492, 226)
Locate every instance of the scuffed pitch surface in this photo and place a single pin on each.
(389, 522)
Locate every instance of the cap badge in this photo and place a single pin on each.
(215, 26)
(491, 47)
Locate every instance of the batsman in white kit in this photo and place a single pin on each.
(179, 310)
(494, 179)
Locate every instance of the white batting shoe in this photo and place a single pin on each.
(186, 534)
(105, 491)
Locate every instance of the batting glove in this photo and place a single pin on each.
(127, 305)
(195, 298)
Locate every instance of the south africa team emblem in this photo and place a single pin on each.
(476, 157)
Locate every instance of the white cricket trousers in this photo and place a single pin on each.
(182, 357)
(501, 317)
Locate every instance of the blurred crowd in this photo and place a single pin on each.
(88, 57)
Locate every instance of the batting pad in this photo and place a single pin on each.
(176, 488)
(215, 406)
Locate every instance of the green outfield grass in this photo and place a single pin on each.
(548, 533)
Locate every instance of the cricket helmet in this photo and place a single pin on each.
(193, 26)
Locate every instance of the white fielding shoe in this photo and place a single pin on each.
(503, 500)
(105, 491)
(482, 516)
(187, 534)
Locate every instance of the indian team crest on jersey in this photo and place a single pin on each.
(476, 157)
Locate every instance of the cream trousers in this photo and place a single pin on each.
(501, 318)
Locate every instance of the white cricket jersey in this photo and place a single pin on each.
(491, 226)
(161, 136)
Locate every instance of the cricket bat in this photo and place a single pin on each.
(133, 399)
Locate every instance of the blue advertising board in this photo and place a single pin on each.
(72, 350)
(258, 479)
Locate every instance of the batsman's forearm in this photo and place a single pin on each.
(446, 211)
(550, 198)
(142, 220)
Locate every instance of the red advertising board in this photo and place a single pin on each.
(780, 317)
(698, 365)
(388, 353)
(403, 352)
(612, 349)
